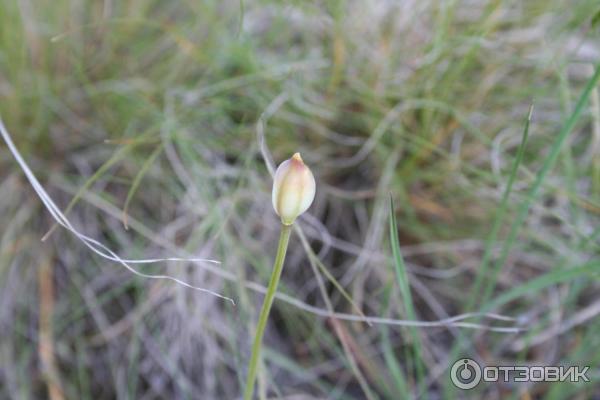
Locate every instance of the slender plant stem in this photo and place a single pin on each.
(284, 239)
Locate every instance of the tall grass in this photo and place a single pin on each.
(141, 118)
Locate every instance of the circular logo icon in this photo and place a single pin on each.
(465, 373)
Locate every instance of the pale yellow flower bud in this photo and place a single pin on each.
(293, 189)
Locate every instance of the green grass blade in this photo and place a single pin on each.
(559, 275)
(549, 162)
(402, 278)
(392, 364)
(500, 215)
(138, 180)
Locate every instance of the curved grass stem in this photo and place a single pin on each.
(284, 239)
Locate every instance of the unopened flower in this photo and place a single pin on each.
(293, 189)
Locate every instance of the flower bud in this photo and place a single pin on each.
(293, 189)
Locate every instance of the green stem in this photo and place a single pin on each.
(284, 239)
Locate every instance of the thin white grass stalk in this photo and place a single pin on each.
(93, 244)
(442, 323)
(260, 130)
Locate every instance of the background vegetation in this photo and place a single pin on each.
(145, 117)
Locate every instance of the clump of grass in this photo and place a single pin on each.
(152, 108)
